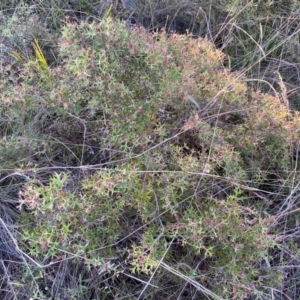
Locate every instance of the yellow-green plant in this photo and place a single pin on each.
(37, 60)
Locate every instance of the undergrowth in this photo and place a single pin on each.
(137, 163)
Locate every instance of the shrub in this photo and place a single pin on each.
(165, 154)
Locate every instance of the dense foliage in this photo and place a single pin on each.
(134, 161)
